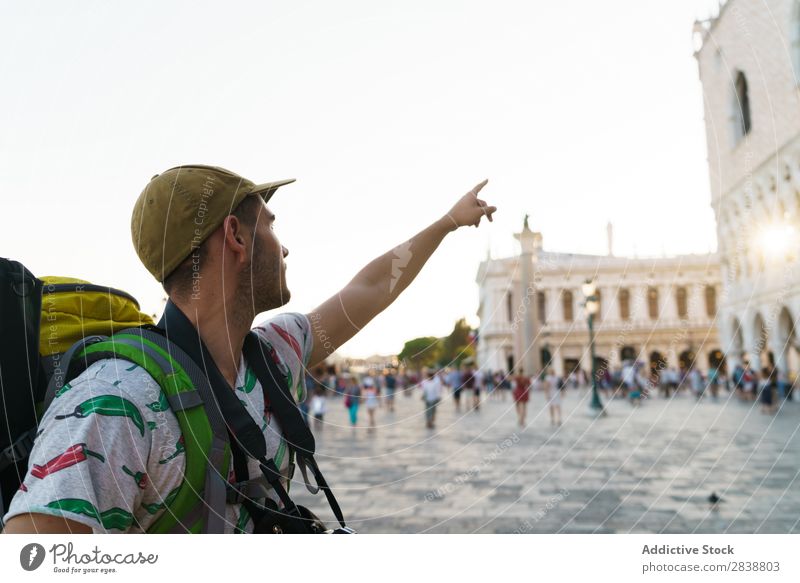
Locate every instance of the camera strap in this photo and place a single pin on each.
(295, 430)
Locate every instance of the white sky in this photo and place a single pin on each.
(386, 112)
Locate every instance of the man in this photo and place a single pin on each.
(390, 382)
(453, 380)
(207, 235)
(478, 380)
(431, 395)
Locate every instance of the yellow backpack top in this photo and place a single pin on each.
(73, 309)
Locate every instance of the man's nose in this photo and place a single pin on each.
(285, 252)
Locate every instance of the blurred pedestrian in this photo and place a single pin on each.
(552, 386)
(479, 378)
(467, 383)
(390, 381)
(370, 396)
(749, 383)
(431, 395)
(319, 406)
(522, 385)
(713, 382)
(766, 388)
(454, 381)
(352, 398)
(696, 382)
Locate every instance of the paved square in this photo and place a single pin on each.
(644, 470)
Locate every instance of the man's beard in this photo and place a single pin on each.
(264, 287)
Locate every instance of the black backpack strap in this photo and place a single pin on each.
(241, 426)
(295, 431)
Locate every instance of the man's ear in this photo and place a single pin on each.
(234, 236)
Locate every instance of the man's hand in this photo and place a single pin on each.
(376, 286)
(470, 209)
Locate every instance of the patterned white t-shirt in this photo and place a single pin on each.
(110, 451)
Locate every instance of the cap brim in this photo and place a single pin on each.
(267, 189)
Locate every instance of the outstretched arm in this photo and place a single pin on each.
(378, 284)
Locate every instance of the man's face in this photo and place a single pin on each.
(264, 283)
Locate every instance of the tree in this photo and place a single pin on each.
(421, 352)
(458, 345)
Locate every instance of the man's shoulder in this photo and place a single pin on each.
(288, 333)
(125, 376)
(287, 322)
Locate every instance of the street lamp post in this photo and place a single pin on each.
(592, 305)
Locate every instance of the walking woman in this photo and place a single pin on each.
(352, 396)
(522, 386)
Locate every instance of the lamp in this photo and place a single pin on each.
(592, 306)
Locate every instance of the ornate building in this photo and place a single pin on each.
(657, 310)
(749, 63)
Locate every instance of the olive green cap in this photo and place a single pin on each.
(181, 207)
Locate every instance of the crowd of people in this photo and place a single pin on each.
(469, 386)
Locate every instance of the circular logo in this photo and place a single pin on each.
(31, 556)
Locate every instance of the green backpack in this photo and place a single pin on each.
(53, 329)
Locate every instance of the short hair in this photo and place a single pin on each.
(179, 282)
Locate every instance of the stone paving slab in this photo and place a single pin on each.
(643, 470)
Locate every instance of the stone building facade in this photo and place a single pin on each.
(749, 64)
(656, 310)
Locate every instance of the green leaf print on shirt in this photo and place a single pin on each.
(161, 405)
(180, 448)
(244, 518)
(113, 518)
(249, 381)
(280, 453)
(63, 390)
(156, 506)
(110, 406)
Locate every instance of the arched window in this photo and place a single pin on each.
(624, 304)
(741, 120)
(541, 307)
(711, 301)
(680, 299)
(652, 303)
(566, 303)
(509, 307)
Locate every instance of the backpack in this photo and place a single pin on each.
(54, 328)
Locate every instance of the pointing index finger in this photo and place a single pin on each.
(479, 186)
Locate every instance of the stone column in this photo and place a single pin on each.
(751, 348)
(780, 348)
(528, 358)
